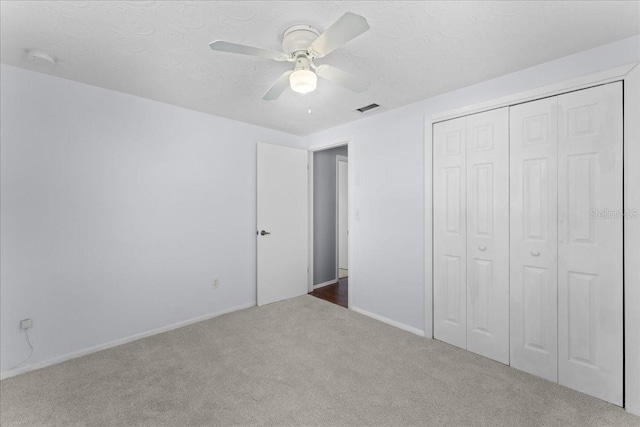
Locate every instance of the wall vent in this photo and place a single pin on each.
(367, 108)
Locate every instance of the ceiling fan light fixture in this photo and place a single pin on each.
(303, 81)
(302, 44)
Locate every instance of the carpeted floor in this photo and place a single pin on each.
(299, 362)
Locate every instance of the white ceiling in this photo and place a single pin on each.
(414, 50)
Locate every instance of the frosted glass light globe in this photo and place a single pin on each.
(303, 81)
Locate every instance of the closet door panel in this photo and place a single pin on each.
(488, 234)
(449, 231)
(590, 241)
(533, 237)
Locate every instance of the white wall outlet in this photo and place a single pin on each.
(26, 324)
(215, 284)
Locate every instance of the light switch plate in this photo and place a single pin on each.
(26, 324)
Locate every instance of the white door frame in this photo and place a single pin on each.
(336, 143)
(630, 75)
(338, 160)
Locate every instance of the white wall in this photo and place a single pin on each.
(632, 241)
(117, 213)
(386, 155)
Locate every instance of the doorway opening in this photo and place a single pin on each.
(330, 225)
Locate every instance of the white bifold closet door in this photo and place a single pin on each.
(590, 247)
(566, 240)
(471, 233)
(488, 234)
(449, 231)
(534, 237)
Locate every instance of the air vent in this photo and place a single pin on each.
(368, 108)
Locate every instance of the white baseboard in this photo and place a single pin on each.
(84, 352)
(382, 319)
(323, 284)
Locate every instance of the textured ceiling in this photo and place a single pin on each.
(414, 50)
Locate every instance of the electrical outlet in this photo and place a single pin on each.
(26, 324)
(215, 284)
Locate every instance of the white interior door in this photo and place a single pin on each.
(534, 237)
(488, 234)
(449, 232)
(282, 219)
(590, 252)
(343, 213)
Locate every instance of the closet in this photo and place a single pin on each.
(528, 237)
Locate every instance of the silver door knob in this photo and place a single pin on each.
(263, 233)
(535, 253)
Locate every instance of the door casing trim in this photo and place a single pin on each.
(322, 147)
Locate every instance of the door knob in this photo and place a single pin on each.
(263, 233)
(535, 253)
(483, 248)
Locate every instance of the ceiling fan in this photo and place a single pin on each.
(302, 44)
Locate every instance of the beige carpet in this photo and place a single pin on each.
(298, 362)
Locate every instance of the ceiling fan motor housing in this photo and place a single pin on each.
(298, 38)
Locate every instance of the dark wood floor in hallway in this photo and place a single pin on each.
(335, 293)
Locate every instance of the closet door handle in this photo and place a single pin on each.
(535, 253)
(483, 248)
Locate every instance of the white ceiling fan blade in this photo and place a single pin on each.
(346, 28)
(223, 46)
(277, 87)
(342, 78)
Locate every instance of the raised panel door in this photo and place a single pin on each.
(533, 237)
(487, 219)
(590, 252)
(449, 231)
